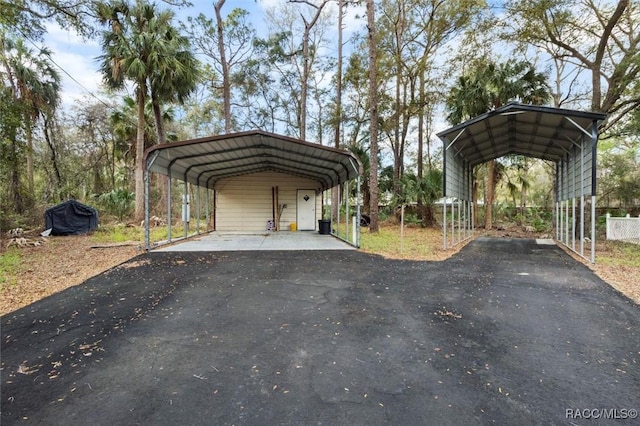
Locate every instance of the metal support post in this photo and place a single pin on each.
(573, 224)
(452, 221)
(185, 207)
(198, 208)
(206, 208)
(582, 198)
(444, 221)
(359, 214)
(593, 228)
(169, 206)
(459, 220)
(147, 242)
(347, 215)
(339, 198)
(566, 225)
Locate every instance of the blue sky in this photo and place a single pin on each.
(77, 57)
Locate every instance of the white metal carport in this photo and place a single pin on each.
(565, 137)
(205, 161)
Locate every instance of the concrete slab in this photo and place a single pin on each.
(283, 240)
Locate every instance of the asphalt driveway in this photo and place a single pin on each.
(505, 332)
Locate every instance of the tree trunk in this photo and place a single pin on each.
(421, 211)
(491, 192)
(54, 156)
(426, 214)
(226, 85)
(399, 27)
(366, 196)
(601, 51)
(157, 116)
(304, 86)
(338, 118)
(523, 194)
(139, 169)
(421, 114)
(373, 110)
(162, 181)
(336, 136)
(474, 199)
(306, 68)
(18, 204)
(29, 137)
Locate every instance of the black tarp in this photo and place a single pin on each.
(71, 218)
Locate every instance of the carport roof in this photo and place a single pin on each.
(535, 131)
(203, 161)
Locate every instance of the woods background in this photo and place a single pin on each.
(379, 78)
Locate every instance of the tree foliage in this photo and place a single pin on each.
(32, 84)
(488, 86)
(408, 66)
(601, 39)
(29, 18)
(142, 46)
(228, 44)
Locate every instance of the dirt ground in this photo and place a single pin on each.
(56, 264)
(63, 262)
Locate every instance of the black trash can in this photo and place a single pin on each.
(324, 226)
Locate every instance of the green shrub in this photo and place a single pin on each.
(118, 202)
(541, 225)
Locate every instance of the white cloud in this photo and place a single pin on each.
(77, 61)
(86, 78)
(71, 39)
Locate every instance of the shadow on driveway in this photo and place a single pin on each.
(506, 331)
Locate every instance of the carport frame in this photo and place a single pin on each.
(204, 161)
(565, 137)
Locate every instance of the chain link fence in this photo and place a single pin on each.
(623, 228)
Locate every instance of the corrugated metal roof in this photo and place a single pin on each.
(203, 161)
(535, 131)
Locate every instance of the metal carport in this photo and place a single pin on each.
(204, 161)
(565, 137)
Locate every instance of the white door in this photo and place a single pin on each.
(306, 210)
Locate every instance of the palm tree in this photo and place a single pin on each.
(34, 84)
(428, 188)
(176, 73)
(429, 191)
(143, 47)
(488, 86)
(125, 58)
(39, 86)
(125, 126)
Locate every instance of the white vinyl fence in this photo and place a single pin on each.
(623, 228)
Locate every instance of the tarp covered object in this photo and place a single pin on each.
(71, 218)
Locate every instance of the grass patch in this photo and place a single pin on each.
(619, 253)
(117, 234)
(122, 233)
(417, 243)
(9, 263)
